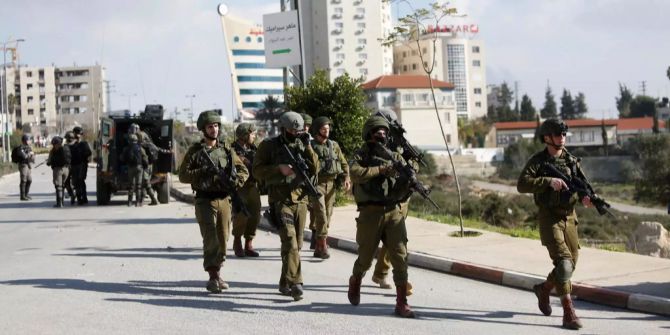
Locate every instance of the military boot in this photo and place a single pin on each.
(22, 190)
(140, 199)
(570, 319)
(354, 293)
(402, 309)
(73, 198)
(130, 198)
(312, 240)
(381, 281)
(237, 246)
(27, 191)
(321, 250)
(152, 196)
(249, 249)
(542, 292)
(59, 199)
(215, 283)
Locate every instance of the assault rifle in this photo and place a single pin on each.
(300, 168)
(227, 181)
(407, 171)
(408, 151)
(581, 187)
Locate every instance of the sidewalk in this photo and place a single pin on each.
(635, 282)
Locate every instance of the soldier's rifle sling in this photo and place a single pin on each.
(582, 188)
(223, 179)
(300, 168)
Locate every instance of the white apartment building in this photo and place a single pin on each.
(459, 60)
(342, 36)
(37, 99)
(252, 81)
(410, 98)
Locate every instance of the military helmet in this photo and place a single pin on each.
(206, 118)
(318, 123)
(25, 138)
(77, 130)
(372, 124)
(291, 120)
(69, 135)
(244, 129)
(56, 140)
(133, 138)
(134, 128)
(552, 127)
(306, 118)
(387, 113)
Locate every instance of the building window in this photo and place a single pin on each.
(404, 54)
(447, 117)
(338, 10)
(360, 25)
(475, 49)
(478, 90)
(248, 39)
(414, 53)
(363, 71)
(339, 56)
(404, 68)
(236, 39)
(29, 86)
(31, 111)
(29, 74)
(339, 41)
(360, 10)
(478, 104)
(414, 66)
(340, 71)
(424, 50)
(362, 41)
(363, 56)
(449, 138)
(259, 39)
(339, 24)
(30, 99)
(476, 63)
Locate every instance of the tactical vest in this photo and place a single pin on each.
(248, 153)
(559, 202)
(279, 156)
(205, 181)
(380, 190)
(329, 160)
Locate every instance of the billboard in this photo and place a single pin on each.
(282, 39)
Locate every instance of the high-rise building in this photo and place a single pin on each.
(251, 81)
(343, 36)
(459, 60)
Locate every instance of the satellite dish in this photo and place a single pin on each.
(222, 9)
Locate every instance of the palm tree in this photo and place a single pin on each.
(270, 112)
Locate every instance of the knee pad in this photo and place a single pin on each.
(563, 270)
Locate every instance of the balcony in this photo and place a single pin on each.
(360, 48)
(336, 31)
(359, 16)
(337, 16)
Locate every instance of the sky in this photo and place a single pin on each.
(164, 51)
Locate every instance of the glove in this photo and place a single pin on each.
(304, 138)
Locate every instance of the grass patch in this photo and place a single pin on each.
(524, 232)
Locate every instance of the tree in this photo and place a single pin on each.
(549, 109)
(504, 111)
(527, 112)
(473, 132)
(667, 73)
(270, 112)
(643, 106)
(409, 31)
(580, 106)
(567, 106)
(343, 101)
(623, 101)
(653, 153)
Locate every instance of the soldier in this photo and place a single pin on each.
(379, 194)
(135, 158)
(204, 166)
(312, 201)
(332, 167)
(24, 156)
(556, 215)
(383, 264)
(59, 160)
(246, 225)
(286, 198)
(69, 140)
(152, 155)
(81, 155)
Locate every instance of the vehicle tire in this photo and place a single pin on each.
(163, 191)
(102, 193)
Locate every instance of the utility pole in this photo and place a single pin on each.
(191, 96)
(108, 92)
(4, 107)
(644, 87)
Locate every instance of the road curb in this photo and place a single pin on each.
(524, 281)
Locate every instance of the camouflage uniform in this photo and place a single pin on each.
(81, 154)
(557, 220)
(242, 224)
(69, 138)
(152, 152)
(333, 168)
(286, 198)
(26, 158)
(379, 194)
(212, 202)
(135, 158)
(59, 160)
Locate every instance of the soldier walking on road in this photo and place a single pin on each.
(24, 156)
(81, 155)
(379, 195)
(59, 160)
(135, 158)
(67, 184)
(333, 168)
(557, 217)
(242, 224)
(152, 152)
(205, 166)
(286, 197)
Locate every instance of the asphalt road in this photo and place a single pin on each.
(120, 270)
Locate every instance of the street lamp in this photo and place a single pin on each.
(191, 96)
(4, 106)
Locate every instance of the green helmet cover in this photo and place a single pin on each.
(373, 123)
(244, 129)
(553, 126)
(206, 118)
(318, 123)
(307, 118)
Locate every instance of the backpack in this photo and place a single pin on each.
(16, 155)
(134, 155)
